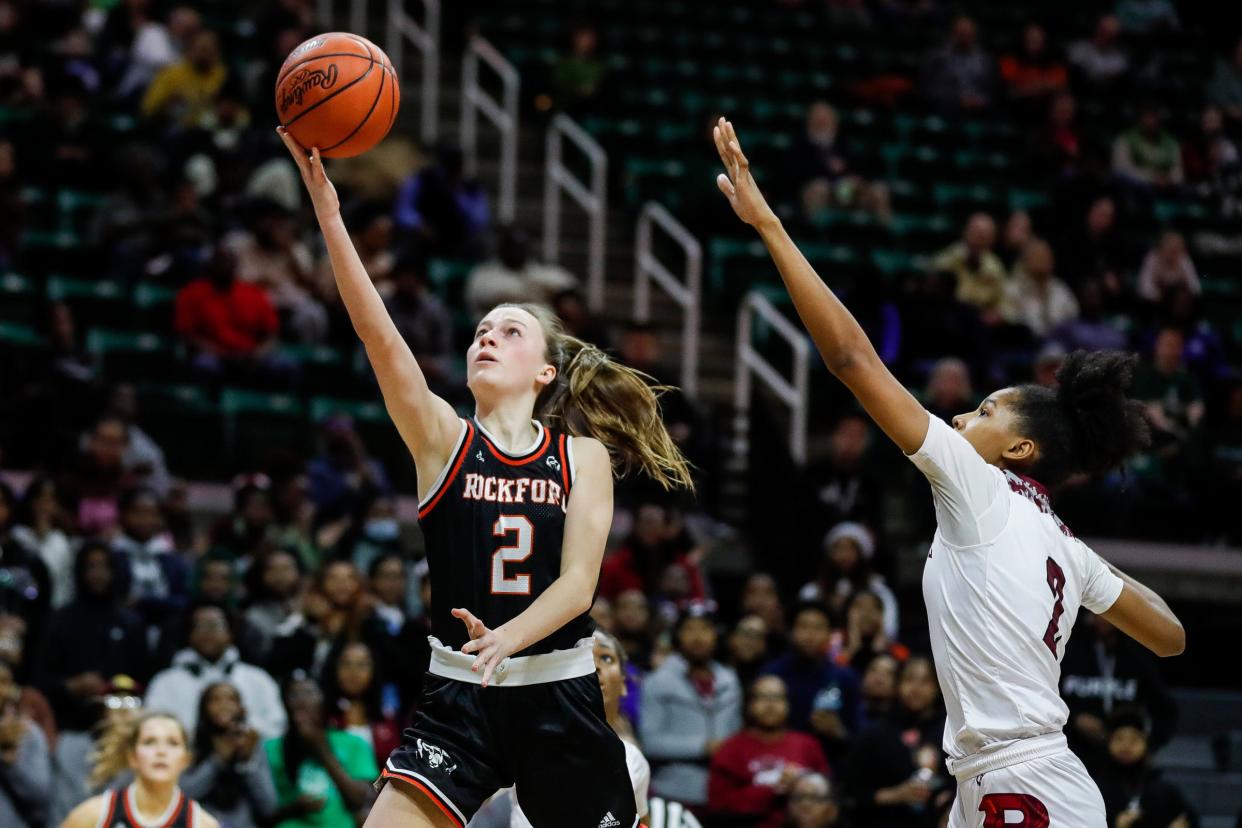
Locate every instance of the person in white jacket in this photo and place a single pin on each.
(211, 657)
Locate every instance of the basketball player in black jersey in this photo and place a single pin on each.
(154, 746)
(516, 504)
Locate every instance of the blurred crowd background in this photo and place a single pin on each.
(205, 509)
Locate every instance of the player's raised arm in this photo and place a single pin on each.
(841, 341)
(427, 423)
(587, 520)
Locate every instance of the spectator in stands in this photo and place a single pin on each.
(753, 770)
(88, 641)
(865, 638)
(442, 210)
(879, 687)
(812, 804)
(25, 761)
(748, 648)
(211, 657)
(1036, 298)
(374, 242)
(271, 256)
(422, 320)
(959, 76)
(690, 705)
(1147, 154)
(94, 484)
(154, 45)
(144, 459)
(1018, 231)
(579, 76)
(845, 569)
(395, 594)
(359, 700)
(823, 697)
(1167, 266)
(294, 516)
(1205, 347)
(1095, 249)
(274, 583)
(980, 275)
(817, 160)
(1055, 147)
(761, 597)
(1135, 794)
(323, 776)
(1225, 89)
(185, 92)
(1209, 150)
(157, 577)
(895, 768)
(841, 485)
(570, 306)
(229, 325)
(1091, 330)
(1033, 75)
(632, 613)
(949, 391)
(344, 477)
(641, 562)
(41, 523)
(230, 775)
(1103, 672)
(514, 275)
(25, 586)
(31, 703)
(1173, 396)
(248, 531)
(1100, 62)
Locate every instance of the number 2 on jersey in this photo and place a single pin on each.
(1056, 582)
(518, 552)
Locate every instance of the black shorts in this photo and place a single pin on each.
(551, 740)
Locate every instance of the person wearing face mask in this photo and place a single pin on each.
(373, 534)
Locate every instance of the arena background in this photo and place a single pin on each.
(883, 129)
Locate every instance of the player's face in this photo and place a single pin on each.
(508, 354)
(611, 678)
(992, 428)
(160, 753)
(769, 704)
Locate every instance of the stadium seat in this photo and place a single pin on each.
(95, 302)
(133, 355)
(185, 420)
(259, 425)
(19, 301)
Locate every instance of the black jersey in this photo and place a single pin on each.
(493, 525)
(120, 811)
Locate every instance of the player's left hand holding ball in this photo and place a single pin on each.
(490, 646)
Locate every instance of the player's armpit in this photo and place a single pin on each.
(1144, 616)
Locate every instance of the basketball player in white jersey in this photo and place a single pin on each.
(1004, 578)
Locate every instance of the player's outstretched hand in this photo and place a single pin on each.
(736, 182)
(322, 193)
(490, 647)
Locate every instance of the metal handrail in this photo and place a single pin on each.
(592, 198)
(426, 39)
(502, 114)
(685, 291)
(792, 392)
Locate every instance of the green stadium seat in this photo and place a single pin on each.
(185, 421)
(95, 302)
(132, 355)
(322, 369)
(19, 301)
(259, 425)
(153, 307)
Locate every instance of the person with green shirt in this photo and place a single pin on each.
(323, 776)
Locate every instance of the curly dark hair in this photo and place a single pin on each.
(1087, 424)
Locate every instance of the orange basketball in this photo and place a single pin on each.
(338, 92)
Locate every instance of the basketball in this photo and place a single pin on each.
(338, 92)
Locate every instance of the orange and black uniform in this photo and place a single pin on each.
(121, 812)
(494, 524)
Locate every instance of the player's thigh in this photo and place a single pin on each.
(404, 805)
(1052, 792)
(573, 769)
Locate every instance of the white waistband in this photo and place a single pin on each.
(515, 672)
(1011, 753)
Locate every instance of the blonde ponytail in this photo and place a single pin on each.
(118, 738)
(595, 396)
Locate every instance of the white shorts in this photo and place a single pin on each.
(1049, 792)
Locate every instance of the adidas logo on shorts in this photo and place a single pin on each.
(609, 821)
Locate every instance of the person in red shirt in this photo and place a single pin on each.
(753, 771)
(226, 322)
(653, 561)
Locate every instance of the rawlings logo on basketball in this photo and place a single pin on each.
(313, 43)
(303, 81)
(435, 757)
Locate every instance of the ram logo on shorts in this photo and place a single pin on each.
(435, 757)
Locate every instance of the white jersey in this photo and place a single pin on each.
(1003, 583)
